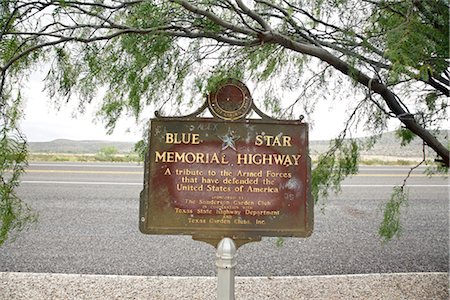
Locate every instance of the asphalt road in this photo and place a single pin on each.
(88, 224)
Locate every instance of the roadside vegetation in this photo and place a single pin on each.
(53, 157)
(137, 158)
(105, 154)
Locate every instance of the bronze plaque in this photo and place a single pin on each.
(213, 178)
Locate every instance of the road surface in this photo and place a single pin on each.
(88, 224)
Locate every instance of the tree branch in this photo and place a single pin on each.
(253, 15)
(214, 18)
(444, 90)
(379, 88)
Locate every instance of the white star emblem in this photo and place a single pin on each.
(228, 140)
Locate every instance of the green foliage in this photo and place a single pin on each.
(64, 75)
(437, 168)
(431, 101)
(416, 35)
(106, 153)
(333, 167)
(221, 74)
(265, 61)
(280, 242)
(405, 135)
(141, 149)
(391, 224)
(15, 215)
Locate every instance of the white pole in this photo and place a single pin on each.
(225, 262)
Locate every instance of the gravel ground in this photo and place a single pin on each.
(370, 286)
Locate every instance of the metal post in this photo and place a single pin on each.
(225, 262)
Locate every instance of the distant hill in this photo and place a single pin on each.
(78, 147)
(388, 145)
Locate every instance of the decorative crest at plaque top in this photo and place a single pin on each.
(230, 101)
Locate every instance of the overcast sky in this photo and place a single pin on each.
(42, 122)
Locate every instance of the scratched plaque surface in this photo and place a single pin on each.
(211, 178)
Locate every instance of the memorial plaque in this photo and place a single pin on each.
(213, 178)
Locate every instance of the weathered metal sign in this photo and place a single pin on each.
(214, 178)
